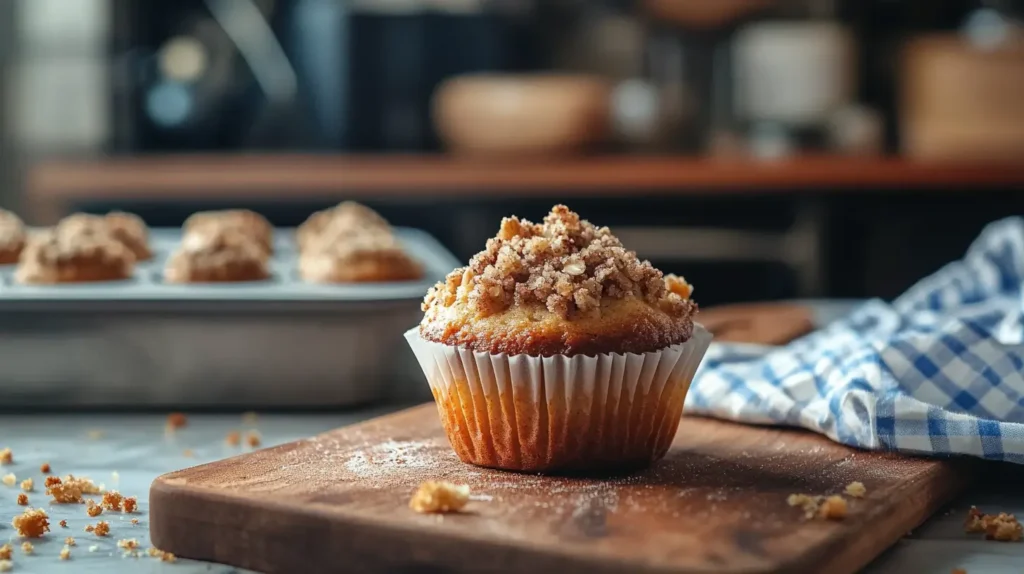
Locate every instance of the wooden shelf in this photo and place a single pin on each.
(311, 176)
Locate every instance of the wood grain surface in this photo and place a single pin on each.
(716, 504)
(759, 323)
(279, 177)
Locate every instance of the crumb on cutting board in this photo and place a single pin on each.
(438, 496)
(32, 523)
(856, 489)
(833, 508)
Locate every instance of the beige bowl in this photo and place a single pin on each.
(521, 115)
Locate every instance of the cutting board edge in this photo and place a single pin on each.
(446, 546)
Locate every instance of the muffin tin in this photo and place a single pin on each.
(275, 343)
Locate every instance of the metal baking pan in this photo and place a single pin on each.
(277, 343)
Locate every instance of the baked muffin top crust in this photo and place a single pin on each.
(346, 217)
(564, 286)
(217, 255)
(73, 255)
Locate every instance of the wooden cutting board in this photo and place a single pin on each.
(716, 504)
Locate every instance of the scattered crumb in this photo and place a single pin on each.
(1002, 527)
(161, 555)
(833, 508)
(6, 565)
(95, 434)
(809, 504)
(23, 499)
(65, 553)
(94, 548)
(52, 480)
(33, 523)
(69, 541)
(176, 421)
(93, 509)
(63, 523)
(250, 418)
(10, 479)
(438, 496)
(44, 468)
(856, 489)
(6, 456)
(129, 504)
(89, 528)
(27, 547)
(112, 500)
(187, 453)
(130, 546)
(70, 490)
(252, 438)
(135, 521)
(234, 438)
(102, 528)
(5, 552)
(28, 484)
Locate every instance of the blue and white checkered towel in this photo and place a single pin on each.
(939, 371)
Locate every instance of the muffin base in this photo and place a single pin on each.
(606, 413)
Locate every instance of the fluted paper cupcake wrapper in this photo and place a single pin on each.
(543, 414)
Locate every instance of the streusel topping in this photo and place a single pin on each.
(566, 264)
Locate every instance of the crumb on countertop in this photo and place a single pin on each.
(129, 504)
(22, 499)
(187, 453)
(102, 528)
(28, 484)
(959, 571)
(250, 418)
(27, 547)
(90, 528)
(32, 523)
(135, 521)
(176, 421)
(439, 496)
(65, 553)
(6, 456)
(93, 509)
(112, 500)
(6, 565)
(69, 541)
(161, 555)
(44, 468)
(130, 546)
(809, 504)
(63, 523)
(233, 438)
(9, 479)
(5, 552)
(1002, 527)
(253, 439)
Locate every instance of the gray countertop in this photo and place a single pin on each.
(137, 449)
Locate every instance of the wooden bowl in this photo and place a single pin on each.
(510, 115)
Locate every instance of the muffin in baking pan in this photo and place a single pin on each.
(127, 228)
(216, 255)
(346, 216)
(246, 222)
(74, 255)
(557, 349)
(12, 237)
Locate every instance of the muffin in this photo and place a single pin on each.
(346, 215)
(72, 256)
(216, 256)
(556, 349)
(12, 237)
(357, 257)
(244, 221)
(127, 228)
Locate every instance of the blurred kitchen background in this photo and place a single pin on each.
(766, 149)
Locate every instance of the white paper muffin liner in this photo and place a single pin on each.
(542, 414)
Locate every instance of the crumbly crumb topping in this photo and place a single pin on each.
(32, 523)
(566, 264)
(439, 496)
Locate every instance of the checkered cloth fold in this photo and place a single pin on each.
(939, 371)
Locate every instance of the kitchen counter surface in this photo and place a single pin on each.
(137, 449)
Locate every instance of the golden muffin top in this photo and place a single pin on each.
(565, 264)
